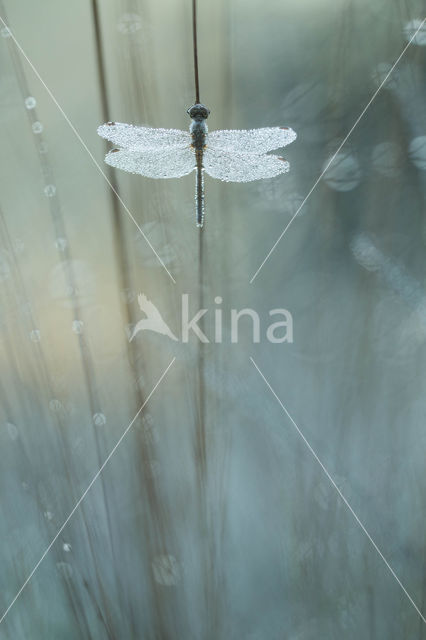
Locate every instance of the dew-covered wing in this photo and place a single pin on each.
(251, 140)
(132, 137)
(242, 167)
(164, 163)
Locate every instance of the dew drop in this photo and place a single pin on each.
(61, 244)
(5, 32)
(77, 326)
(49, 190)
(35, 335)
(37, 127)
(99, 419)
(30, 102)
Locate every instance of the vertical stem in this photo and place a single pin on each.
(194, 39)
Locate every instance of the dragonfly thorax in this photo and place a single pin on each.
(198, 129)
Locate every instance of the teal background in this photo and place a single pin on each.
(213, 519)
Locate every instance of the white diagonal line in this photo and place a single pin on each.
(84, 145)
(80, 500)
(339, 492)
(357, 121)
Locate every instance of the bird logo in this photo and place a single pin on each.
(153, 320)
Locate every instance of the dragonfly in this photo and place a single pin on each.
(229, 155)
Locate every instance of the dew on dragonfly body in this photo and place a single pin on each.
(344, 173)
(49, 190)
(229, 155)
(99, 419)
(411, 28)
(30, 102)
(417, 152)
(37, 127)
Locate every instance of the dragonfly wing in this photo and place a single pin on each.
(242, 167)
(163, 163)
(252, 140)
(131, 137)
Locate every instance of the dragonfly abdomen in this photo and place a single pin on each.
(199, 189)
(198, 131)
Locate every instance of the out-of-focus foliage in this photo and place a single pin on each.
(212, 519)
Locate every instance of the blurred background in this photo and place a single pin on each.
(212, 519)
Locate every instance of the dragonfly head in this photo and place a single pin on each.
(198, 112)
